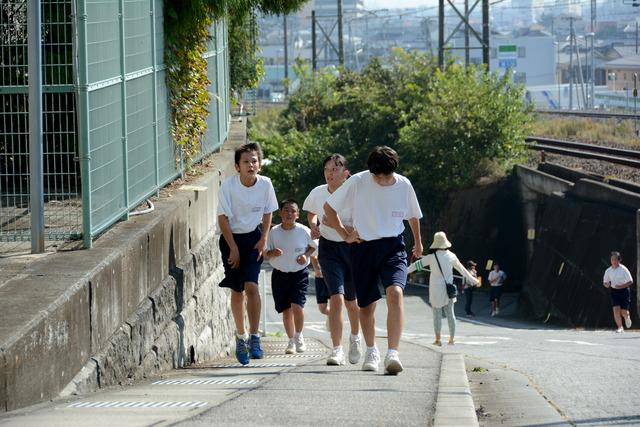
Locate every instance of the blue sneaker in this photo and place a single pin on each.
(256, 350)
(242, 351)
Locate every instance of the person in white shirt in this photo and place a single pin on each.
(334, 256)
(618, 279)
(289, 250)
(380, 201)
(496, 280)
(441, 262)
(246, 203)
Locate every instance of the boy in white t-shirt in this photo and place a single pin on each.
(246, 202)
(619, 280)
(381, 201)
(334, 256)
(289, 250)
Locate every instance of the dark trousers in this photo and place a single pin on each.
(468, 299)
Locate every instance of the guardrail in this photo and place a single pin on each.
(619, 156)
(592, 114)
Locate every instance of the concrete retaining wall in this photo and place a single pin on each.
(144, 299)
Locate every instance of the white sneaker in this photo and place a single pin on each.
(336, 358)
(619, 330)
(371, 360)
(354, 349)
(392, 364)
(291, 347)
(493, 313)
(300, 346)
(627, 321)
(497, 310)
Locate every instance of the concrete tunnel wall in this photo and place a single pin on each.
(143, 300)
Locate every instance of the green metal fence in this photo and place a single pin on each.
(107, 115)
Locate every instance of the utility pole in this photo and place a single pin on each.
(36, 175)
(314, 58)
(441, 34)
(593, 53)
(636, 36)
(571, 63)
(286, 60)
(466, 34)
(485, 33)
(340, 35)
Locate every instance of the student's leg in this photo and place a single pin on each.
(253, 306)
(616, 316)
(437, 322)
(288, 322)
(451, 320)
(324, 309)
(353, 311)
(237, 309)
(468, 300)
(298, 317)
(368, 324)
(395, 315)
(336, 319)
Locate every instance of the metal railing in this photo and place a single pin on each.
(106, 117)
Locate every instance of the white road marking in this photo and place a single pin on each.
(575, 342)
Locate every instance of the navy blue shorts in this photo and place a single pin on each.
(382, 259)
(322, 292)
(335, 263)
(621, 297)
(249, 269)
(495, 293)
(289, 288)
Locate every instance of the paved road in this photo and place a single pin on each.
(588, 377)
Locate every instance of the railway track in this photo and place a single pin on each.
(581, 150)
(593, 114)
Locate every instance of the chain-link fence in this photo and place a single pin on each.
(107, 144)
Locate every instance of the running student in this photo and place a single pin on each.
(618, 280)
(334, 255)
(246, 202)
(380, 201)
(289, 248)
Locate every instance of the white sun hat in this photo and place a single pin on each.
(440, 241)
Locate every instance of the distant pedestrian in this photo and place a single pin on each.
(618, 279)
(380, 200)
(496, 280)
(468, 287)
(246, 204)
(289, 248)
(441, 262)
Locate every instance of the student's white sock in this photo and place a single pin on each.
(244, 336)
(256, 335)
(297, 335)
(392, 352)
(355, 337)
(374, 348)
(338, 348)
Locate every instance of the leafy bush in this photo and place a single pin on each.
(449, 128)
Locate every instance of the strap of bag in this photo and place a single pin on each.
(435, 254)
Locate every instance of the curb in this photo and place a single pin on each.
(454, 403)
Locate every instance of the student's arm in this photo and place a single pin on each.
(234, 254)
(316, 266)
(302, 258)
(332, 219)
(419, 265)
(414, 223)
(312, 219)
(266, 227)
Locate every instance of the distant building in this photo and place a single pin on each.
(620, 72)
(330, 7)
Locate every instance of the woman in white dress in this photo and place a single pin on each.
(441, 275)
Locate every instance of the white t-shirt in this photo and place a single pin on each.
(245, 206)
(314, 203)
(293, 243)
(500, 275)
(377, 211)
(617, 276)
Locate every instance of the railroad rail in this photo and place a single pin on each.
(592, 114)
(581, 150)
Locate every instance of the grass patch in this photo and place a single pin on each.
(479, 369)
(586, 129)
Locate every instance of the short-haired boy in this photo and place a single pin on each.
(246, 202)
(289, 250)
(380, 201)
(334, 255)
